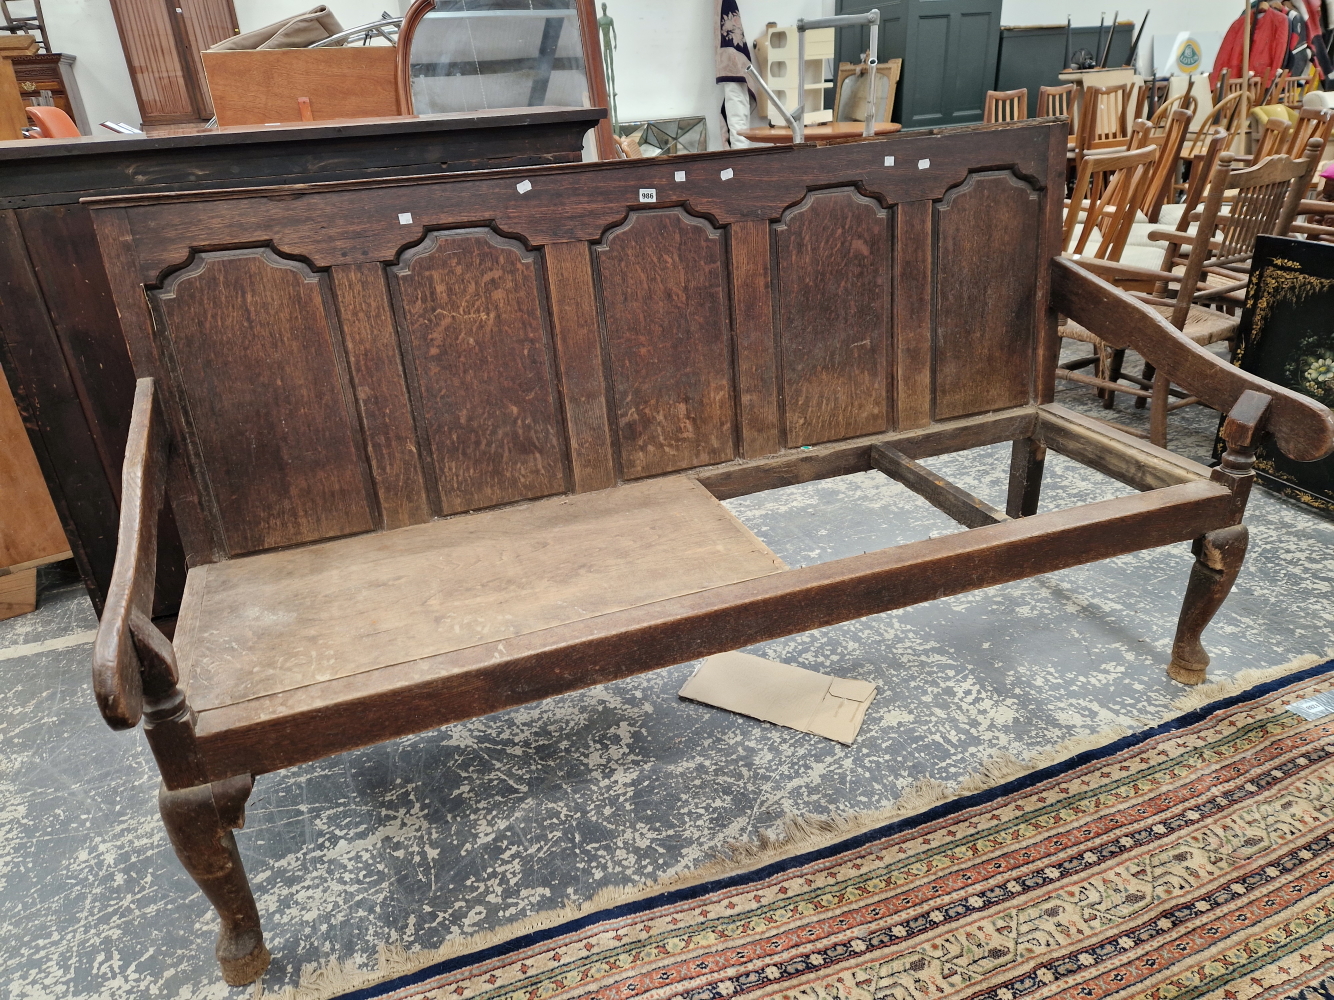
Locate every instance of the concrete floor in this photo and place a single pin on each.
(476, 825)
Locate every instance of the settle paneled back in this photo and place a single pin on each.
(356, 356)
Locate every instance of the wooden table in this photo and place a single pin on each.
(821, 135)
(60, 339)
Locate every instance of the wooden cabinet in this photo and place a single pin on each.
(162, 40)
(949, 50)
(48, 78)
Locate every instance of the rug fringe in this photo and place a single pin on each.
(796, 835)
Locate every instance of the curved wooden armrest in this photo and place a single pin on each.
(127, 640)
(1309, 206)
(1303, 429)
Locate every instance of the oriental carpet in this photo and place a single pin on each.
(1195, 860)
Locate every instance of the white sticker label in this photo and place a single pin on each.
(648, 194)
(680, 176)
(923, 164)
(405, 218)
(726, 174)
(889, 161)
(524, 187)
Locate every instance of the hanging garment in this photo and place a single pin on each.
(1269, 47)
(1318, 37)
(1299, 49)
(730, 62)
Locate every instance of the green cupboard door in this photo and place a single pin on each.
(949, 50)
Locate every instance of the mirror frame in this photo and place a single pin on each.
(588, 34)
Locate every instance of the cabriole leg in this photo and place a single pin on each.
(200, 821)
(1218, 558)
(1026, 460)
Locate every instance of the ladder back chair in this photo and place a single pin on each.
(1005, 106)
(1266, 198)
(1185, 102)
(1102, 119)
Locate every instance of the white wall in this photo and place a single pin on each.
(86, 30)
(1165, 18)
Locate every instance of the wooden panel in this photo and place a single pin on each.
(480, 371)
(367, 320)
(265, 404)
(913, 276)
(833, 293)
(574, 320)
(667, 336)
(204, 23)
(757, 375)
(148, 37)
(349, 606)
(260, 87)
(987, 232)
(13, 117)
(29, 528)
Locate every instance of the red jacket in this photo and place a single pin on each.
(1269, 47)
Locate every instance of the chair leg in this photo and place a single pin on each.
(1147, 376)
(200, 821)
(1218, 558)
(1113, 375)
(1026, 460)
(1162, 395)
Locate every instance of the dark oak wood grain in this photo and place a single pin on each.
(480, 366)
(986, 299)
(376, 367)
(667, 328)
(598, 355)
(574, 320)
(264, 400)
(70, 371)
(959, 504)
(267, 734)
(833, 294)
(914, 278)
(753, 309)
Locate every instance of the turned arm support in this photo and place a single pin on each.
(131, 654)
(1302, 428)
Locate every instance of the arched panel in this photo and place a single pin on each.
(254, 351)
(667, 334)
(987, 235)
(480, 370)
(833, 282)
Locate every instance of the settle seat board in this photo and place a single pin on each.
(316, 350)
(264, 624)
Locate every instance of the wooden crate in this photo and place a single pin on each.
(265, 86)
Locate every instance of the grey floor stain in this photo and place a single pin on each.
(476, 825)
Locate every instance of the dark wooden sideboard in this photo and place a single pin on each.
(60, 341)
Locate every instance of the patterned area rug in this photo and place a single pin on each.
(1195, 860)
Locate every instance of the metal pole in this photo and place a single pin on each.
(773, 98)
(873, 85)
(799, 112)
(871, 19)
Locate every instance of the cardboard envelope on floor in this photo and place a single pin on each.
(832, 707)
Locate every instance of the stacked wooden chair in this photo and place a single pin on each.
(1005, 106)
(1265, 199)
